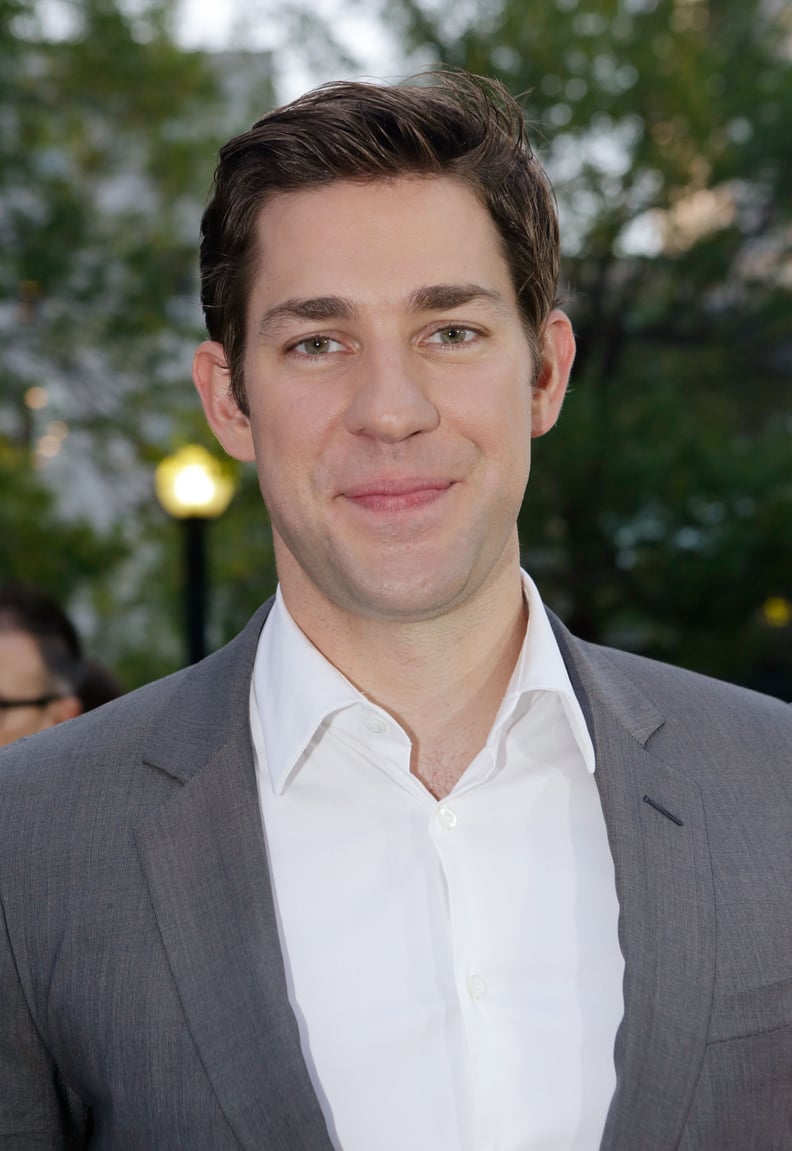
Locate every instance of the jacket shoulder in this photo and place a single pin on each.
(684, 688)
(179, 718)
(709, 729)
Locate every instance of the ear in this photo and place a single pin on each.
(212, 379)
(61, 709)
(558, 354)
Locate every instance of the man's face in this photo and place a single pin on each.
(22, 676)
(389, 380)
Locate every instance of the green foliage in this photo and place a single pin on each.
(39, 547)
(108, 137)
(659, 513)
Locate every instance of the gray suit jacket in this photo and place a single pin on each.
(142, 990)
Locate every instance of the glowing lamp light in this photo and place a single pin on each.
(194, 487)
(777, 611)
(192, 483)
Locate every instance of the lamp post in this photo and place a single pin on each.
(192, 486)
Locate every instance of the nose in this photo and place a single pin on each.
(391, 401)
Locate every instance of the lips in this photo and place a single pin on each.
(385, 495)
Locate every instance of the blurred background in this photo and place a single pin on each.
(659, 514)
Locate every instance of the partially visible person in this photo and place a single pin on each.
(44, 679)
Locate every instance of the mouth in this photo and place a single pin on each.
(390, 496)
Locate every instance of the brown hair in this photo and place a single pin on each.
(443, 124)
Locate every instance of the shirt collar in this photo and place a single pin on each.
(295, 689)
(541, 667)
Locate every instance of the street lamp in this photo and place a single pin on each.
(193, 487)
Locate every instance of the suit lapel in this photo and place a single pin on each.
(204, 858)
(655, 821)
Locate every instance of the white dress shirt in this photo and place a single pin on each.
(454, 966)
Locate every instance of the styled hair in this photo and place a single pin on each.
(441, 124)
(25, 608)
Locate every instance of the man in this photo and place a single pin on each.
(405, 865)
(40, 663)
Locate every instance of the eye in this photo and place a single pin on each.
(452, 334)
(316, 346)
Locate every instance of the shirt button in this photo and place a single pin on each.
(447, 818)
(477, 987)
(375, 723)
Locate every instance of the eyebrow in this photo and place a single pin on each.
(441, 297)
(319, 308)
(432, 298)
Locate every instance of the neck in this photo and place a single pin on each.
(442, 679)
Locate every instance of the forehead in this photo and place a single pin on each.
(21, 665)
(377, 235)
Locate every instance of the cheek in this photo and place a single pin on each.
(510, 449)
(290, 421)
(286, 463)
(301, 443)
(503, 423)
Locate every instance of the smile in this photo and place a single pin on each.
(397, 496)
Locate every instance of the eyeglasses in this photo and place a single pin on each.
(39, 701)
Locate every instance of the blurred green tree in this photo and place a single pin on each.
(38, 547)
(108, 133)
(659, 515)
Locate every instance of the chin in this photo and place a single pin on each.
(405, 600)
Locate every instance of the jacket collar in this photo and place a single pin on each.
(206, 707)
(204, 859)
(654, 815)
